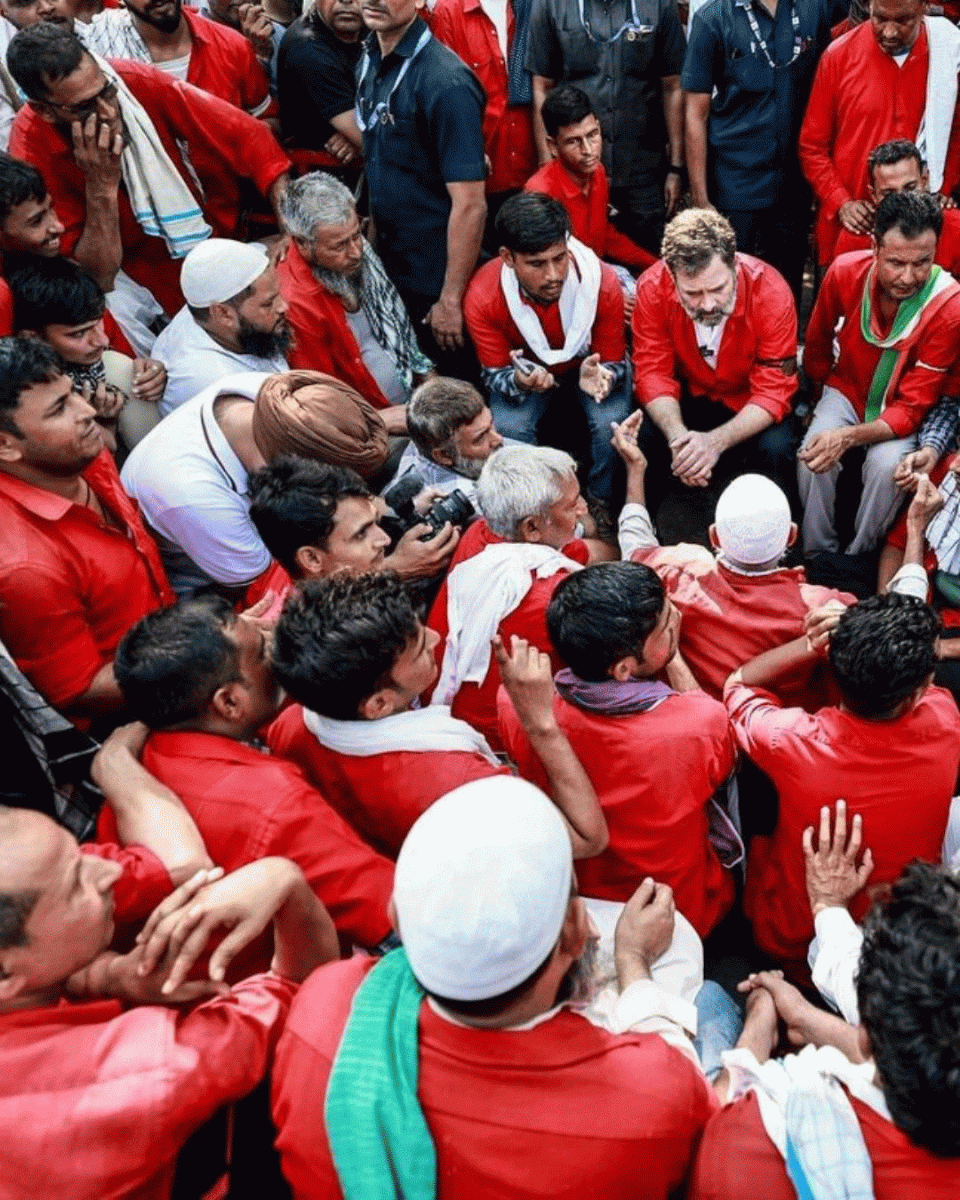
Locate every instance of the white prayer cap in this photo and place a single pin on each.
(218, 269)
(481, 888)
(753, 520)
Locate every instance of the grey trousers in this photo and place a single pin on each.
(818, 493)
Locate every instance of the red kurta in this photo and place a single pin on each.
(860, 99)
(381, 795)
(477, 703)
(678, 753)
(225, 146)
(899, 775)
(930, 355)
(737, 1161)
(495, 335)
(222, 62)
(588, 211)
(250, 805)
(507, 128)
(564, 1110)
(97, 1102)
(729, 618)
(756, 360)
(70, 584)
(948, 243)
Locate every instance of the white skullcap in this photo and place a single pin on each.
(481, 888)
(753, 520)
(218, 269)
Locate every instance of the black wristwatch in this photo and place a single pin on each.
(680, 171)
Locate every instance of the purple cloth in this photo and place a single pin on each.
(608, 698)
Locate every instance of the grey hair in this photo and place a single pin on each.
(436, 411)
(521, 481)
(314, 200)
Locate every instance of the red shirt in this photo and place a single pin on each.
(678, 753)
(588, 211)
(495, 335)
(143, 884)
(477, 703)
(381, 795)
(224, 144)
(729, 618)
(97, 1102)
(222, 62)
(930, 355)
(948, 243)
(562, 1110)
(737, 1160)
(899, 775)
(250, 805)
(756, 360)
(70, 584)
(6, 309)
(507, 128)
(860, 98)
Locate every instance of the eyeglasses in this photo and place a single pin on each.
(83, 109)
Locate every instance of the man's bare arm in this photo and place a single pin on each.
(97, 154)
(697, 116)
(541, 87)
(464, 235)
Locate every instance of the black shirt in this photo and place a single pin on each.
(315, 81)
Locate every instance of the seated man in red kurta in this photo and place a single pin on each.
(508, 1092)
(347, 317)
(656, 752)
(905, 1101)
(895, 316)
(199, 677)
(97, 1098)
(891, 749)
(894, 76)
(714, 360)
(77, 566)
(142, 166)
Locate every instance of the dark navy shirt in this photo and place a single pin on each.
(432, 136)
(756, 111)
(315, 81)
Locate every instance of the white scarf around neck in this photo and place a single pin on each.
(417, 729)
(578, 307)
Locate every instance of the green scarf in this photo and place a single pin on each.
(904, 323)
(378, 1135)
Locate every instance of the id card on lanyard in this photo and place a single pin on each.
(632, 29)
(381, 114)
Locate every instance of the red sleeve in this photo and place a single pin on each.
(254, 84)
(921, 385)
(6, 309)
(118, 340)
(818, 344)
(654, 357)
(32, 140)
(817, 135)
(517, 744)
(625, 250)
(772, 388)
(760, 722)
(143, 884)
(488, 330)
(609, 337)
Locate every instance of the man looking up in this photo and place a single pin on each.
(234, 320)
(142, 167)
(78, 566)
(546, 318)
(715, 360)
(898, 341)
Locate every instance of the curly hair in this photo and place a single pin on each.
(693, 237)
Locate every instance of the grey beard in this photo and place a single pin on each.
(348, 288)
(469, 468)
(577, 986)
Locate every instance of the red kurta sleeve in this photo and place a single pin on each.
(921, 385)
(827, 311)
(654, 356)
(772, 386)
(491, 336)
(818, 133)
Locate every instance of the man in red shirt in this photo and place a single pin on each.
(199, 677)
(578, 179)
(898, 166)
(618, 632)
(190, 145)
(546, 318)
(897, 343)
(891, 77)
(77, 566)
(891, 749)
(714, 360)
(507, 1091)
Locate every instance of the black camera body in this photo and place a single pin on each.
(455, 508)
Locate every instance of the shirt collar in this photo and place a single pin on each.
(199, 26)
(408, 43)
(217, 443)
(49, 506)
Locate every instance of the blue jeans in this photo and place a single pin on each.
(719, 1024)
(519, 420)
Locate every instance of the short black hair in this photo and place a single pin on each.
(15, 910)
(19, 182)
(294, 501)
(602, 614)
(883, 649)
(913, 213)
(338, 638)
(531, 222)
(908, 993)
(565, 105)
(54, 291)
(24, 362)
(171, 663)
(888, 153)
(43, 54)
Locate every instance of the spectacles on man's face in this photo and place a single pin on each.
(84, 108)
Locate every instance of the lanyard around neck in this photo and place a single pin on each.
(632, 28)
(382, 114)
(755, 30)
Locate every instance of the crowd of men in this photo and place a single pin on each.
(479, 572)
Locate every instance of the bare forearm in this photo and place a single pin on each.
(870, 434)
(636, 484)
(99, 250)
(572, 791)
(891, 560)
(697, 115)
(673, 117)
(679, 675)
(304, 934)
(770, 665)
(747, 423)
(345, 123)
(541, 86)
(664, 411)
(464, 235)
